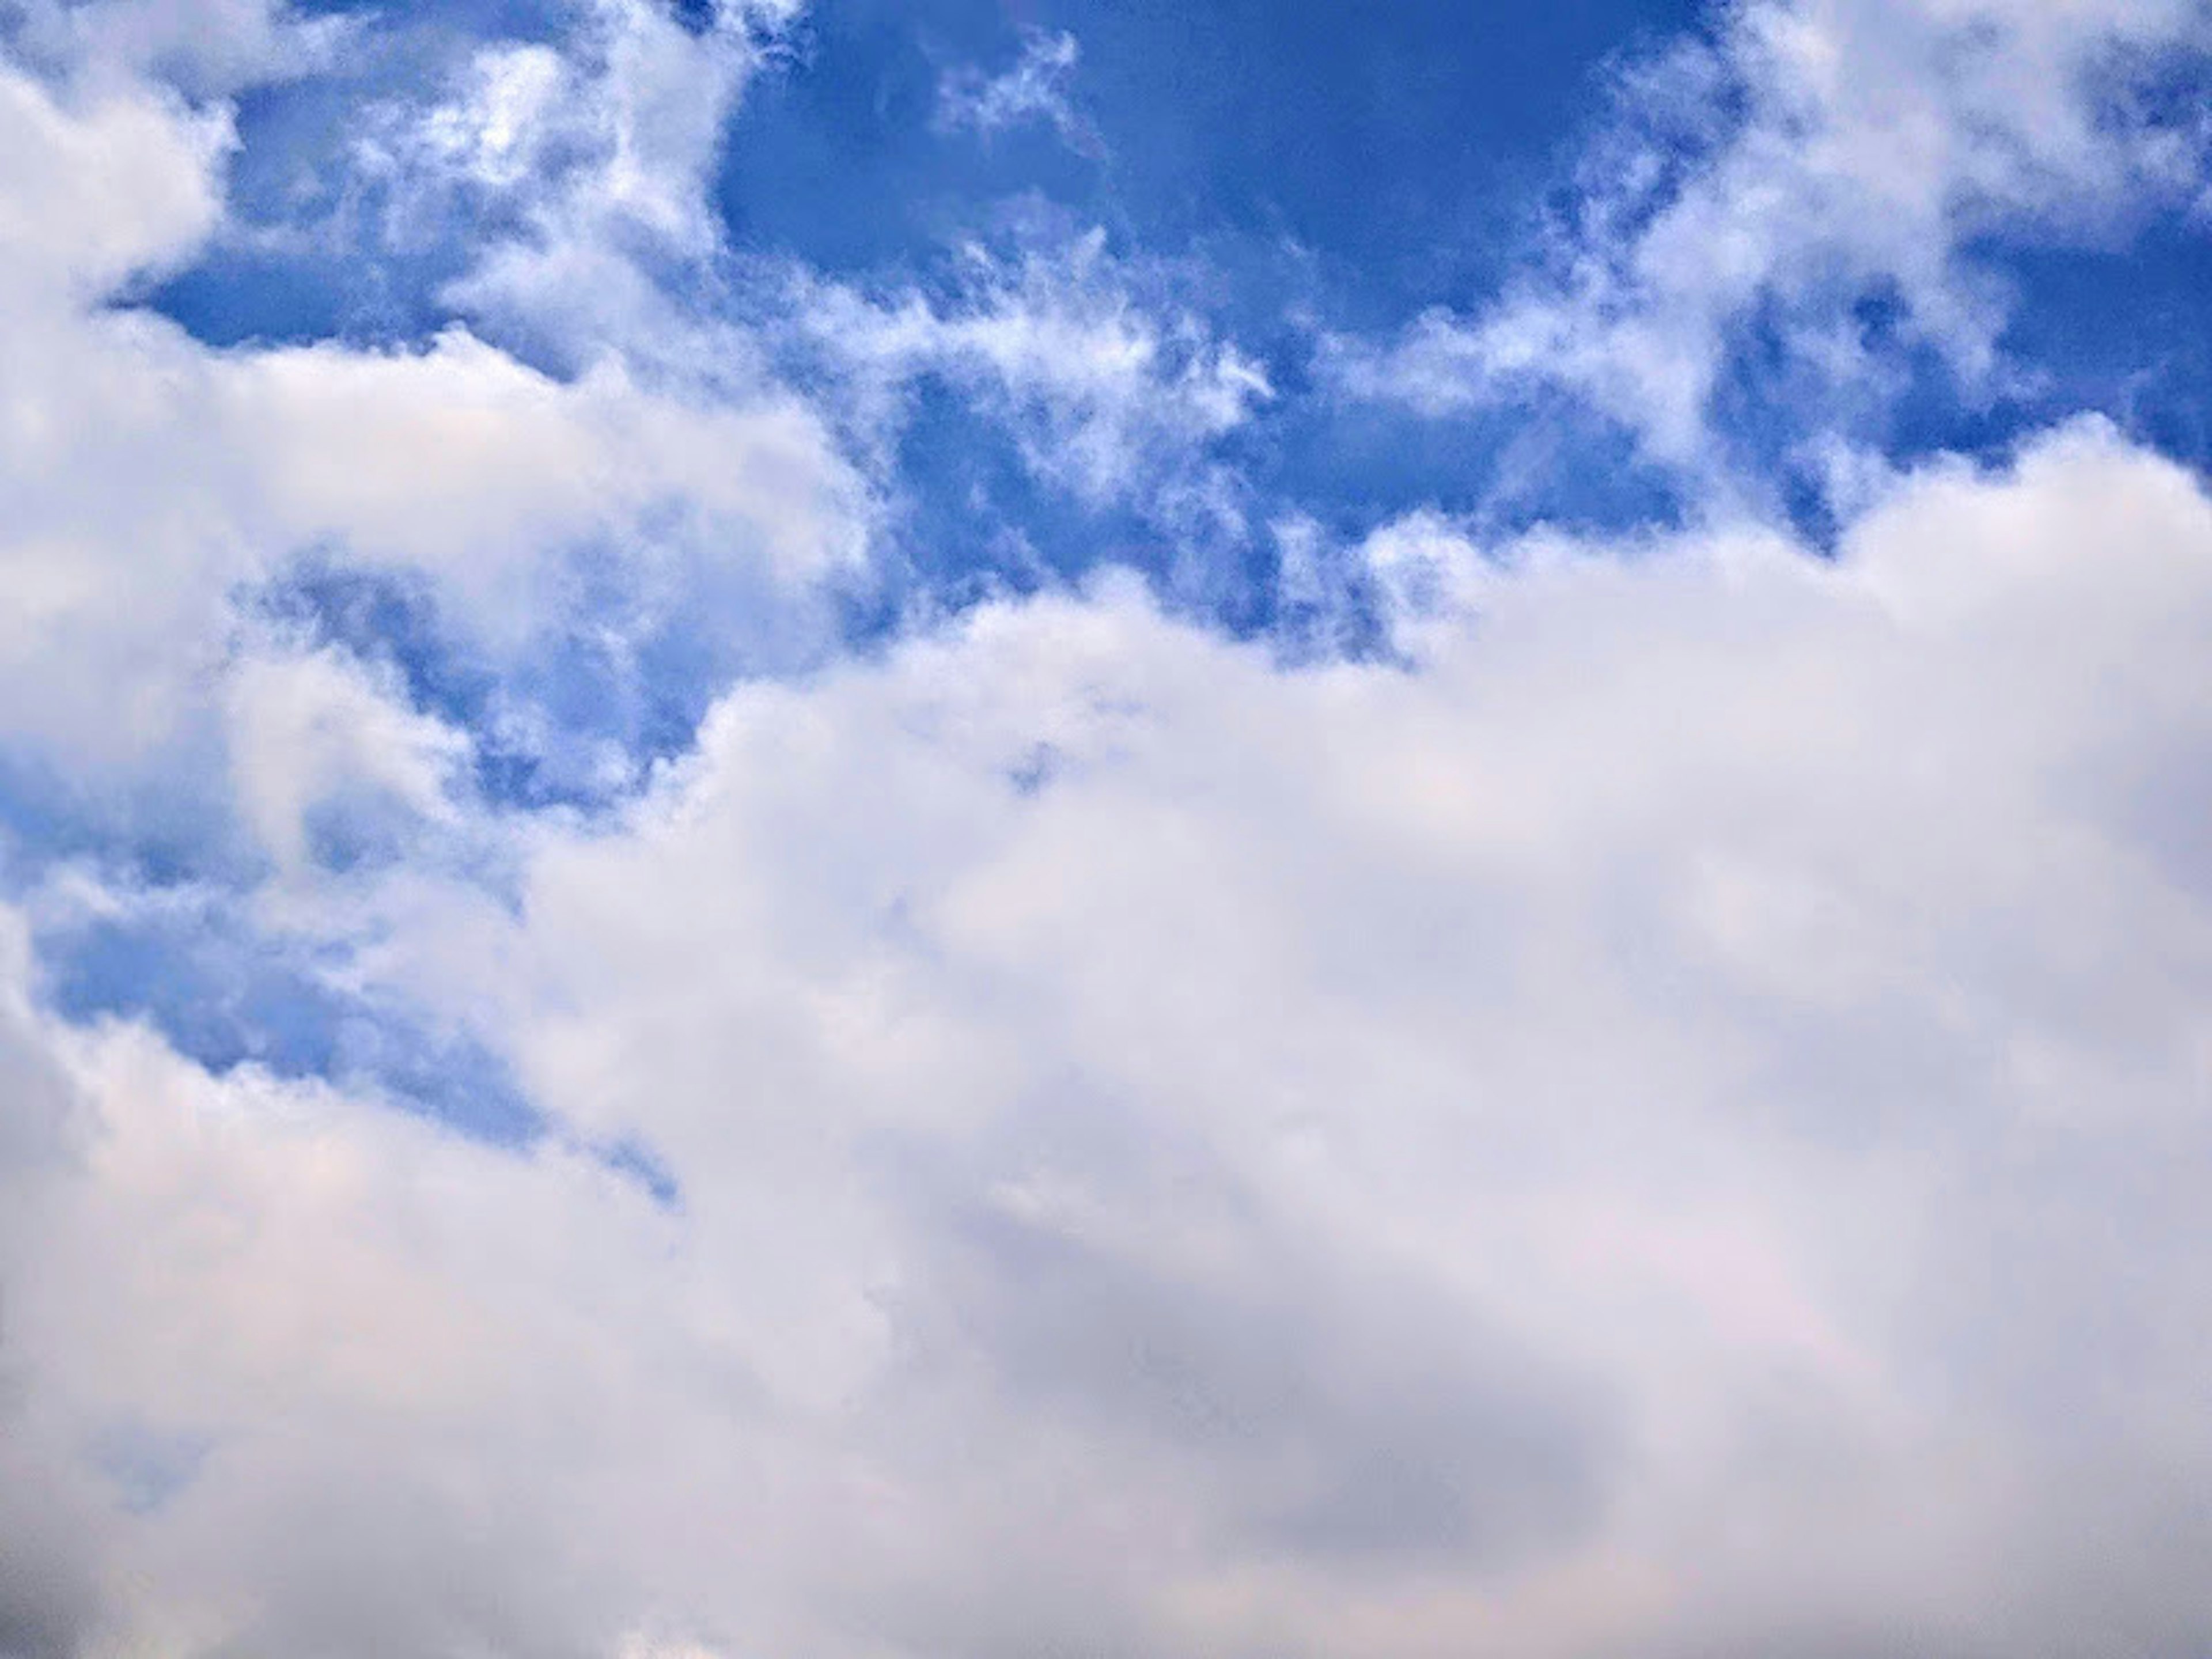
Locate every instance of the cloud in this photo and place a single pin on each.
(1659, 1111)
(309, 729)
(1034, 89)
(205, 48)
(1812, 157)
(452, 460)
(1112, 391)
(101, 185)
(578, 173)
(1674, 1126)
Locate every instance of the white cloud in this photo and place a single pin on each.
(205, 48)
(99, 185)
(305, 728)
(585, 170)
(1110, 390)
(1034, 89)
(1818, 152)
(1674, 1127)
(148, 478)
(1669, 1120)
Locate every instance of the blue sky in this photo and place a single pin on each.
(848, 828)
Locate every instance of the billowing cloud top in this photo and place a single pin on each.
(906, 834)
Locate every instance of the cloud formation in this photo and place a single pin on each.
(567, 1091)
(451, 459)
(1034, 89)
(1239, 1158)
(1811, 159)
(1112, 391)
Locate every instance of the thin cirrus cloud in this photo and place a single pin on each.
(620, 1037)
(1034, 89)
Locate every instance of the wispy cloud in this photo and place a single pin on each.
(1113, 390)
(1037, 88)
(1812, 158)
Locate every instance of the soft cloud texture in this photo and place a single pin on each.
(589, 162)
(1034, 89)
(1815, 157)
(1244, 1160)
(1648, 1099)
(452, 460)
(1113, 392)
(206, 48)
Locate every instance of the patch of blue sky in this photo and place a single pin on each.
(838, 160)
(1331, 166)
(545, 722)
(1364, 161)
(1540, 456)
(2121, 328)
(237, 295)
(974, 531)
(384, 616)
(392, 620)
(1395, 144)
(226, 994)
(302, 256)
(152, 831)
(635, 1161)
(146, 1466)
(973, 521)
(2124, 330)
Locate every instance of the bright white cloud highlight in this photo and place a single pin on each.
(595, 157)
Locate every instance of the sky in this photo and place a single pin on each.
(1005, 828)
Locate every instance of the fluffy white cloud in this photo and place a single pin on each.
(308, 728)
(584, 170)
(1818, 152)
(102, 182)
(1670, 1119)
(1675, 1126)
(147, 479)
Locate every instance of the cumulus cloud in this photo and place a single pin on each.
(1675, 1127)
(1661, 1112)
(206, 48)
(452, 460)
(311, 728)
(102, 183)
